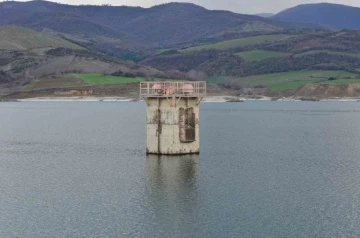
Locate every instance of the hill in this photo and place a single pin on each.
(175, 40)
(78, 28)
(19, 38)
(27, 56)
(237, 42)
(161, 25)
(265, 14)
(290, 46)
(332, 15)
(295, 54)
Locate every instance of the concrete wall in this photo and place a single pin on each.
(163, 126)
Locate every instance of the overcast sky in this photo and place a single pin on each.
(239, 6)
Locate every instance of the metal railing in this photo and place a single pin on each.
(168, 89)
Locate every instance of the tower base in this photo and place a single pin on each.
(172, 126)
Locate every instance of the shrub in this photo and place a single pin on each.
(130, 75)
(118, 73)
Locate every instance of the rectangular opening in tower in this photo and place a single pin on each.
(187, 125)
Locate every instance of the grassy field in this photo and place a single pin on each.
(76, 80)
(254, 55)
(342, 81)
(329, 52)
(297, 84)
(287, 76)
(237, 42)
(160, 51)
(106, 79)
(290, 85)
(292, 80)
(298, 75)
(275, 82)
(18, 38)
(62, 82)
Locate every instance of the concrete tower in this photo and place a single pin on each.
(172, 116)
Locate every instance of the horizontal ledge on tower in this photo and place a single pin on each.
(175, 154)
(173, 89)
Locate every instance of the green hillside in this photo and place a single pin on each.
(289, 80)
(290, 85)
(343, 81)
(258, 54)
(54, 82)
(107, 79)
(19, 38)
(237, 42)
(317, 75)
(328, 52)
(78, 80)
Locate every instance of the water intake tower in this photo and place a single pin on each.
(172, 116)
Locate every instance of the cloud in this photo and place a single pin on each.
(240, 6)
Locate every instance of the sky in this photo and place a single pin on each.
(239, 6)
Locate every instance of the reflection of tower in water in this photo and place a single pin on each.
(172, 171)
(173, 193)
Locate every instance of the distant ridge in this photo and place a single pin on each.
(265, 14)
(332, 15)
(130, 27)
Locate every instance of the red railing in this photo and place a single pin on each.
(168, 89)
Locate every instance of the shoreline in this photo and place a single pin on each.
(208, 99)
(77, 99)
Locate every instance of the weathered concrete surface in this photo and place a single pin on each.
(163, 126)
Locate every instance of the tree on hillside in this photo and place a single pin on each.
(196, 75)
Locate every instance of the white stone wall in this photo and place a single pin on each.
(163, 133)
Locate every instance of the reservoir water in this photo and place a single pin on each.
(266, 169)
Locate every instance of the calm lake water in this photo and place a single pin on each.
(266, 169)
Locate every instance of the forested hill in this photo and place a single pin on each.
(297, 50)
(176, 41)
(279, 61)
(27, 56)
(19, 39)
(332, 15)
(128, 27)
